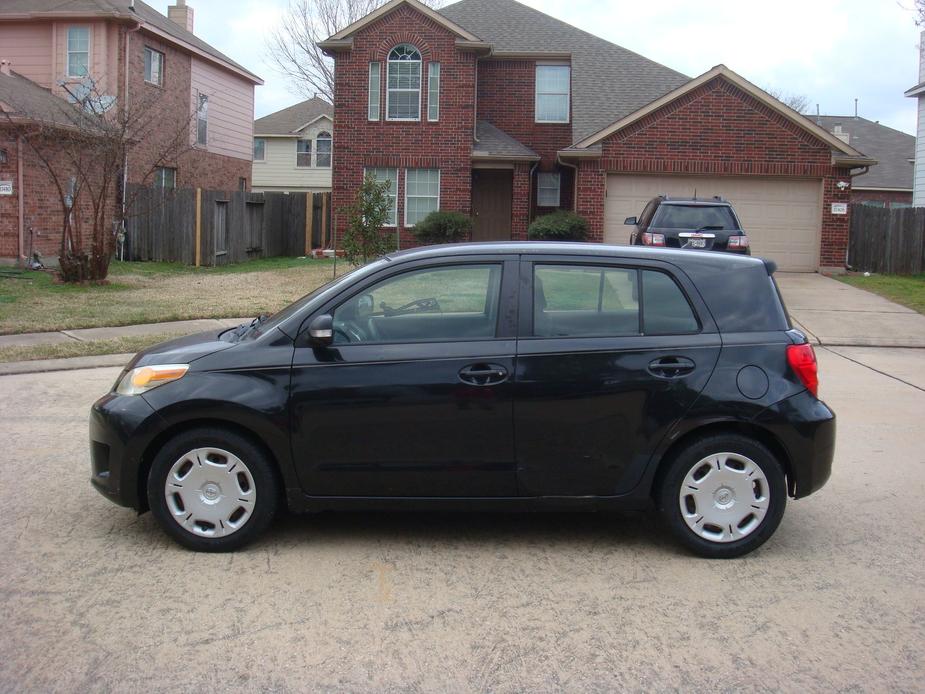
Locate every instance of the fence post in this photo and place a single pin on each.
(325, 225)
(198, 227)
(309, 220)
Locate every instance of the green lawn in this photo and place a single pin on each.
(908, 290)
(153, 292)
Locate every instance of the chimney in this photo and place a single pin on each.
(181, 14)
(5, 66)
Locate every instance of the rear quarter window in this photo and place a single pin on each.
(665, 309)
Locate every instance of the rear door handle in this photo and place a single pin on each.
(671, 367)
(483, 374)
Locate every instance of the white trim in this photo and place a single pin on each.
(330, 152)
(378, 91)
(405, 210)
(744, 85)
(311, 122)
(395, 194)
(420, 88)
(310, 152)
(539, 188)
(536, 93)
(160, 69)
(68, 51)
(389, 6)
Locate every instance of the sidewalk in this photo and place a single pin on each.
(182, 327)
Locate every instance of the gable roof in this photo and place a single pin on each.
(893, 150)
(289, 121)
(842, 152)
(608, 81)
(383, 10)
(150, 18)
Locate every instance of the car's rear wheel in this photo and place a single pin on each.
(212, 490)
(723, 496)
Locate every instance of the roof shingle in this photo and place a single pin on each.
(288, 120)
(892, 149)
(494, 142)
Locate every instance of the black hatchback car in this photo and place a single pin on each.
(693, 223)
(522, 376)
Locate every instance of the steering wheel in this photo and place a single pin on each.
(350, 332)
(427, 305)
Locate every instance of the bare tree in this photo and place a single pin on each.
(798, 102)
(293, 44)
(83, 145)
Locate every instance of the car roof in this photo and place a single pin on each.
(707, 260)
(707, 202)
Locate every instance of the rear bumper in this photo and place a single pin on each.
(806, 428)
(119, 425)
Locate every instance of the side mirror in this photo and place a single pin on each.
(629, 220)
(321, 330)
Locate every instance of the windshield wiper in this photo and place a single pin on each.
(245, 328)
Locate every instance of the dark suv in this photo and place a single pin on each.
(694, 223)
(522, 376)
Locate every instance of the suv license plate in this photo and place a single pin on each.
(698, 243)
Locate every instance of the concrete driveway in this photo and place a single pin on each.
(93, 598)
(835, 313)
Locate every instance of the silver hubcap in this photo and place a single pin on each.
(724, 497)
(210, 492)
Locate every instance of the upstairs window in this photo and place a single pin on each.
(202, 119)
(303, 153)
(433, 91)
(78, 51)
(374, 76)
(552, 93)
(323, 150)
(154, 67)
(403, 96)
(260, 149)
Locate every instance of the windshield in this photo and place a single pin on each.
(694, 217)
(283, 315)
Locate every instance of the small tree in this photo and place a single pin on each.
(559, 226)
(364, 241)
(443, 227)
(798, 102)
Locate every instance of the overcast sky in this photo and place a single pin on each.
(832, 51)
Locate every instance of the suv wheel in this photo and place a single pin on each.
(212, 490)
(723, 496)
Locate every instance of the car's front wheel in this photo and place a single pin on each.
(723, 496)
(212, 490)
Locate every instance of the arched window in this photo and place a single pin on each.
(323, 150)
(403, 96)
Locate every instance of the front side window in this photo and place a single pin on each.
(458, 302)
(260, 149)
(584, 301)
(165, 177)
(154, 67)
(433, 91)
(694, 217)
(403, 96)
(552, 93)
(202, 119)
(78, 51)
(323, 151)
(547, 186)
(422, 194)
(391, 177)
(303, 153)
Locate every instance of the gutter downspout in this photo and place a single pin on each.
(125, 104)
(22, 214)
(851, 175)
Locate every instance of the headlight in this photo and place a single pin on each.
(144, 378)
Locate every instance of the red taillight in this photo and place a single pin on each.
(737, 242)
(650, 239)
(802, 360)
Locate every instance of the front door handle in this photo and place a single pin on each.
(483, 374)
(671, 367)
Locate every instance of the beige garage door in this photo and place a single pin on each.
(781, 216)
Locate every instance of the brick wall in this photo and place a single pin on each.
(445, 145)
(887, 197)
(718, 129)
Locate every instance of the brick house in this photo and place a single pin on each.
(493, 109)
(131, 53)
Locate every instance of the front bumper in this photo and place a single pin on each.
(806, 427)
(120, 428)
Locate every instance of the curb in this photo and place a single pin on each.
(70, 364)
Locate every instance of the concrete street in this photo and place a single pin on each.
(93, 598)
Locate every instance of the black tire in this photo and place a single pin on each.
(669, 500)
(266, 488)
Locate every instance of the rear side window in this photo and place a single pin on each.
(665, 308)
(584, 301)
(694, 217)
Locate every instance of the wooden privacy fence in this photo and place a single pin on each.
(208, 227)
(887, 240)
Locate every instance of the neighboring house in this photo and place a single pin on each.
(292, 148)
(889, 183)
(129, 52)
(918, 92)
(497, 110)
